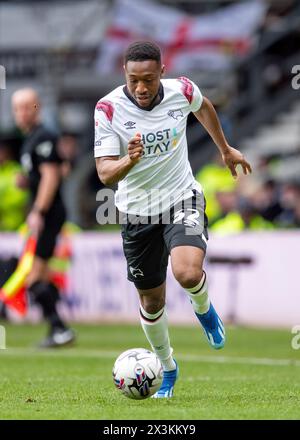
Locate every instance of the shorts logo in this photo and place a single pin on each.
(136, 272)
(176, 114)
(182, 216)
(98, 143)
(129, 125)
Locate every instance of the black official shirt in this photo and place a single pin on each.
(40, 147)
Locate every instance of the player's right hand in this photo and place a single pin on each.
(135, 148)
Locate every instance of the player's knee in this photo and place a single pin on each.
(188, 277)
(151, 304)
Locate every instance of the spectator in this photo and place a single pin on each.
(266, 200)
(13, 199)
(218, 185)
(68, 149)
(243, 217)
(290, 200)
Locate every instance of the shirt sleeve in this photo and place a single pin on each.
(107, 142)
(46, 151)
(197, 98)
(191, 92)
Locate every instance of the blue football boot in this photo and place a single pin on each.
(167, 387)
(213, 327)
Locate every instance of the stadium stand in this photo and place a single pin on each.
(255, 100)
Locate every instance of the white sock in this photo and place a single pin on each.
(199, 296)
(155, 327)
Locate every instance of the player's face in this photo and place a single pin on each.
(143, 80)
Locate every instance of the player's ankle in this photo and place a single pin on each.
(168, 364)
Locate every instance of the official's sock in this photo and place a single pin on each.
(199, 296)
(155, 327)
(47, 296)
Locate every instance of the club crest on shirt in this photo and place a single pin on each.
(176, 114)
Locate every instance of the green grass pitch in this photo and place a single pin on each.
(256, 376)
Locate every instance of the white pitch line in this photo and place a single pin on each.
(241, 360)
(110, 354)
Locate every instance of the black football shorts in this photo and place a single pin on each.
(54, 220)
(147, 246)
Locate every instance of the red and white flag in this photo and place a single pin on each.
(201, 42)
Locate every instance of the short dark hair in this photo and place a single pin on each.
(142, 51)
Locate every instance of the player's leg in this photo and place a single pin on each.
(43, 291)
(154, 322)
(186, 240)
(187, 263)
(147, 260)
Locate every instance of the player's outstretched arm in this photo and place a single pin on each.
(232, 157)
(111, 169)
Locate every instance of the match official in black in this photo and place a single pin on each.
(42, 165)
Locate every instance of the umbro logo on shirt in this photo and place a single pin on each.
(175, 114)
(129, 125)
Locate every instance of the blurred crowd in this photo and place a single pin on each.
(255, 202)
(13, 198)
(80, 182)
(14, 194)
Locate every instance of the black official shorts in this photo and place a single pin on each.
(147, 246)
(54, 220)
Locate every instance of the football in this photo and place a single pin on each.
(137, 373)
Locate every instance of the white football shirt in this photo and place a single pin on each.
(163, 176)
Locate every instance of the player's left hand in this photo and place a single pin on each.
(35, 222)
(232, 158)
